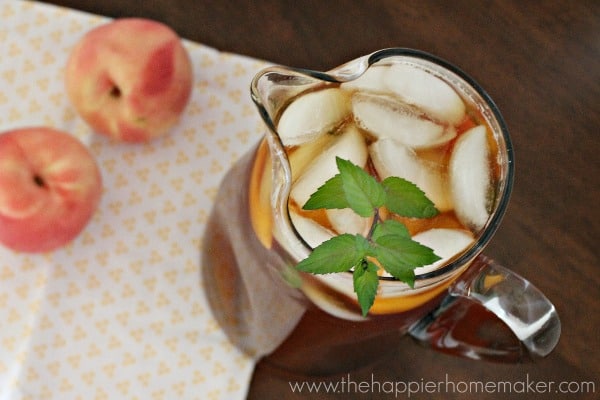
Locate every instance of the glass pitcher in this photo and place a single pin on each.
(312, 325)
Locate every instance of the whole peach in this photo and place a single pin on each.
(130, 79)
(50, 187)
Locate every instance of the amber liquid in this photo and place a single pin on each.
(264, 315)
(291, 323)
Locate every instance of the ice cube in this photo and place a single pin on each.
(349, 145)
(347, 221)
(372, 80)
(386, 117)
(392, 158)
(446, 243)
(312, 114)
(311, 231)
(470, 177)
(302, 156)
(426, 91)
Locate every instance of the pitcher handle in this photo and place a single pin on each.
(493, 314)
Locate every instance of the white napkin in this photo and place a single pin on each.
(120, 312)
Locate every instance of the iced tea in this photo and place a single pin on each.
(403, 117)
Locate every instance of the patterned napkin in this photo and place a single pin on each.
(120, 312)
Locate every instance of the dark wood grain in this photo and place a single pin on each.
(540, 61)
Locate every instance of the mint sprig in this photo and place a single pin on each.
(388, 244)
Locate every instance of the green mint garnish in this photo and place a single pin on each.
(387, 245)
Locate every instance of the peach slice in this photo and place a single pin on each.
(392, 158)
(349, 145)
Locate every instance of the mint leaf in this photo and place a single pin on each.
(400, 255)
(405, 198)
(390, 227)
(338, 254)
(363, 192)
(329, 195)
(388, 242)
(364, 246)
(366, 281)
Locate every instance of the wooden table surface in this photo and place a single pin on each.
(540, 62)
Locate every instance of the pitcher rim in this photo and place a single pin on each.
(340, 74)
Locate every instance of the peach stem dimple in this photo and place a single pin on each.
(115, 92)
(39, 181)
